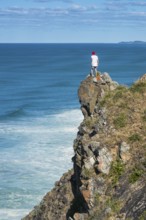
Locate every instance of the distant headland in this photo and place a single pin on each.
(132, 42)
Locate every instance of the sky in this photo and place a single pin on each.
(72, 21)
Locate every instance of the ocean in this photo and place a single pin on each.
(40, 112)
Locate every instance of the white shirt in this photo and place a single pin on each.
(94, 60)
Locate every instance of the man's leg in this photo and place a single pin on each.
(95, 70)
(92, 71)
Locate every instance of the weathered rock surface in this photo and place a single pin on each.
(88, 94)
(108, 180)
(56, 203)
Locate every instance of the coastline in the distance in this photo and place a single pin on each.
(132, 42)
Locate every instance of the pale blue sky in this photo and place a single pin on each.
(72, 21)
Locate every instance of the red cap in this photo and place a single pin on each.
(93, 53)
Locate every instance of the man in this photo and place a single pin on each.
(94, 64)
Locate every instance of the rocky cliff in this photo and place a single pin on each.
(108, 180)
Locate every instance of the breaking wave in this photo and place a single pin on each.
(35, 153)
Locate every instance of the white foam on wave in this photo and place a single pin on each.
(12, 214)
(39, 151)
(63, 122)
(8, 129)
(72, 116)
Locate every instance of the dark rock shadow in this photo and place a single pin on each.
(79, 205)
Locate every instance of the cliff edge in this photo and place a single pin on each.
(108, 180)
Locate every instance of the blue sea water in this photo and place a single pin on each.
(39, 112)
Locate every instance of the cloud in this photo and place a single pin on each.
(125, 3)
(46, 11)
(138, 14)
(138, 4)
(125, 10)
(45, 1)
(110, 15)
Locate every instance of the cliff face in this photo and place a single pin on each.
(108, 178)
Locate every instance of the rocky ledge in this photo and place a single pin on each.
(108, 180)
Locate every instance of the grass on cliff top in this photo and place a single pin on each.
(120, 121)
(126, 106)
(134, 137)
(124, 94)
(126, 116)
(113, 96)
(139, 87)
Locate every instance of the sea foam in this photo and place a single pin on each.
(40, 151)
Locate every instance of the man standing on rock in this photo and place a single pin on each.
(94, 64)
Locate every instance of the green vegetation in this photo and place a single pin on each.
(135, 175)
(113, 96)
(97, 199)
(144, 115)
(135, 137)
(119, 92)
(116, 171)
(90, 122)
(103, 203)
(87, 173)
(143, 216)
(118, 95)
(121, 88)
(123, 104)
(105, 99)
(139, 87)
(113, 204)
(120, 121)
(144, 146)
(144, 163)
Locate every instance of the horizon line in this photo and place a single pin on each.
(135, 41)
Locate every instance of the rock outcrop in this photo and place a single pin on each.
(108, 180)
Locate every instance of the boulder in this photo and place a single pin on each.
(88, 95)
(104, 160)
(91, 90)
(124, 151)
